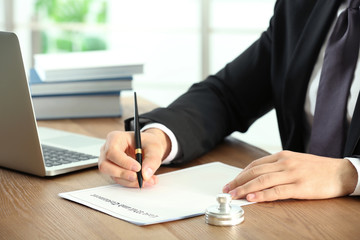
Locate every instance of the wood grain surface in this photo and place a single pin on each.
(31, 209)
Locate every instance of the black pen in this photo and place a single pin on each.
(138, 152)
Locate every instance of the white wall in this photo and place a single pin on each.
(235, 25)
(166, 34)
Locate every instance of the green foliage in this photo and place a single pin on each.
(93, 43)
(72, 11)
(102, 15)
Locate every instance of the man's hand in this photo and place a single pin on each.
(117, 156)
(286, 175)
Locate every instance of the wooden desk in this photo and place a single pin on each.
(31, 209)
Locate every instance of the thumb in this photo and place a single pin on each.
(155, 144)
(151, 163)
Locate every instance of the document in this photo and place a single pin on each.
(180, 194)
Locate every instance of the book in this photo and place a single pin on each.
(77, 106)
(43, 88)
(85, 65)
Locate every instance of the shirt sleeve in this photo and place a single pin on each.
(356, 163)
(174, 152)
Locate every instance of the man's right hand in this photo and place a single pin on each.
(117, 156)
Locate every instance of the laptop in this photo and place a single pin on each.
(24, 146)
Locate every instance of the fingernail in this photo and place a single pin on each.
(250, 197)
(149, 183)
(135, 168)
(226, 188)
(148, 173)
(233, 194)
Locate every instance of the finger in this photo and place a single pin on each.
(252, 173)
(135, 184)
(150, 164)
(114, 170)
(109, 167)
(125, 183)
(267, 159)
(102, 155)
(272, 194)
(260, 183)
(119, 148)
(103, 164)
(152, 157)
(118, 156)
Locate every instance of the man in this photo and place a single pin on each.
(280, 70)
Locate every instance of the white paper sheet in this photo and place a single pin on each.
(178, 195)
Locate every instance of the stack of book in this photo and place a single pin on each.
(80, 85)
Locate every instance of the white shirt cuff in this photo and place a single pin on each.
(356, 163)
(174, 143)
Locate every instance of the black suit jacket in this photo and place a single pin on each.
(272, 73)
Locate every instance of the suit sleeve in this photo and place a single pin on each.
(231, 100)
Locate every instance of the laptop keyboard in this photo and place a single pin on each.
(57, 156)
